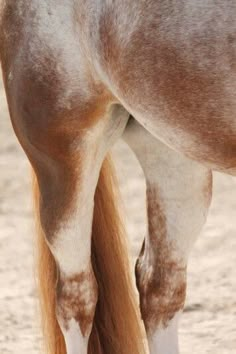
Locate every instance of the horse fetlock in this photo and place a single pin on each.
(76, 301)
(162, 293)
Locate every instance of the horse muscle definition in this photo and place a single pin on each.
(78, 76)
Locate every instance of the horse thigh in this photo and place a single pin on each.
(178, 197)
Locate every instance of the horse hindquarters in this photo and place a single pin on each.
(178, 197)
(66, 123)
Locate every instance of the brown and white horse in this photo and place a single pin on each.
(74, 72)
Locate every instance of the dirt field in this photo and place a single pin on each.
(209, 321)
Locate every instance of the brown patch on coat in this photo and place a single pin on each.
(161, 278)
(77, 299)
(62, 143)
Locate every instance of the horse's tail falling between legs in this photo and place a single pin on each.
(116, 328)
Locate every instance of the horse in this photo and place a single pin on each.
(79, 75)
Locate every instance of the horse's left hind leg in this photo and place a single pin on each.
(178, 197)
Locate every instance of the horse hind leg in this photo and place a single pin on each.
(68, 232)
(178, 197)
(66, 146)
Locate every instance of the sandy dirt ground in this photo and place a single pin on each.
(209, 321)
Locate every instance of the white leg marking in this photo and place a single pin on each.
(165, 340)
(76, 343)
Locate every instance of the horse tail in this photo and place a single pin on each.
(117, 327)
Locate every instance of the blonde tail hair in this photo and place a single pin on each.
(117, 327)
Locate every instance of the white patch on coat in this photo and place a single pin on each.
(181, 184)
(76, 343)
(51, 45)
(165, 340)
